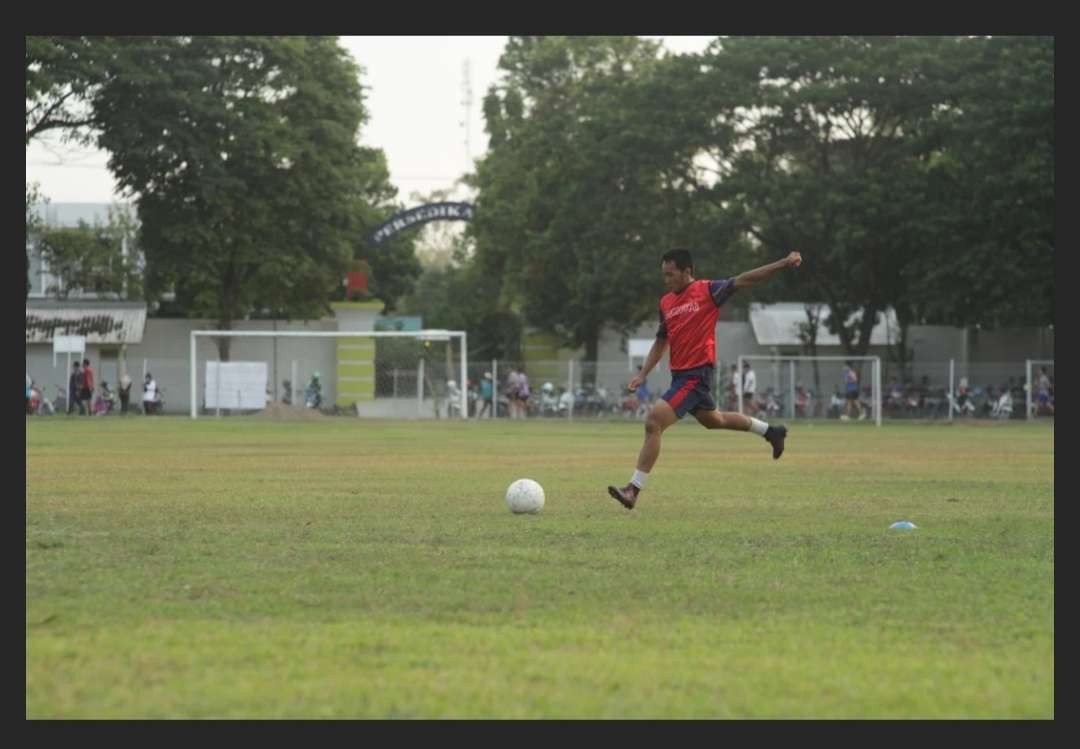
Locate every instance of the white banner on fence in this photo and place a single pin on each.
(240, 384)
(68, 344)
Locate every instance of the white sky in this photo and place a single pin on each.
(414, 98)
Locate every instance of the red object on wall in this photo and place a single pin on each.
(356, 281)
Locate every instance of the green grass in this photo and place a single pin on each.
(248, 567)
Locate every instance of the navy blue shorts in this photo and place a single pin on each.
(689, 390)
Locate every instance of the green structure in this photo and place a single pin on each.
(355, 375)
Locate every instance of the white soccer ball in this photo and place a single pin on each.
(525, 496)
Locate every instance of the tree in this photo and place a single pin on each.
(460, 296)
(34, 224)
(93, 258)
(63, 74)
(911, 171)
(822, 150)
(991, 177)
(252, 191)
(585, 184)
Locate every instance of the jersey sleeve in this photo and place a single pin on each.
(721, 291)
(661, 332)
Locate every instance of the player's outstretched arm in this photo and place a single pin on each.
(751, 277)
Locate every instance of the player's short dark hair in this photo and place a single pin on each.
(680, 257)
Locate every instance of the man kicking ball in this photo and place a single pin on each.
(688, 314)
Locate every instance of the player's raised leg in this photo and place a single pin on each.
(774, 435)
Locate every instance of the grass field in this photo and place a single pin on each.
(251, 567)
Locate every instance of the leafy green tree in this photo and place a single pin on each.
(586, 183)
(99, 258)
(253, 193)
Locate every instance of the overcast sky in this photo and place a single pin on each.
(414, 89)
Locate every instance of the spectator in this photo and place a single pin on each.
(1043, 402)
(802, 401)
(733, 389)
(836, 406)
(29, 385)
(453, 399)
(523, 393)
(88, 386)
(313, 392)
(549, 401)
(517, 392)
(149, 395)
(566, 401)
(75, 388)
(965, 404)
(487, 396)
(894, 397)
(1004, 407)
(749, 388)
(105, 401)
(851, 393)
(772, 403)
(125, 393)
(512, 385)
(987, 407)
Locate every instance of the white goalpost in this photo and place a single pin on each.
(353, 361)
(787, 381)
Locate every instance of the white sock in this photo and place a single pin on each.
(758, 427)
(638, 479)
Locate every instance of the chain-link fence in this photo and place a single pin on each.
(410, 378)
(784, 389)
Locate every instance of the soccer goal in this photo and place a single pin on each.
(805, 387)
(378, 374)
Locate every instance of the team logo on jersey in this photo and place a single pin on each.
(682, 309)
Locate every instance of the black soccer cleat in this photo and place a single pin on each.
(775, 436)
(627, 496)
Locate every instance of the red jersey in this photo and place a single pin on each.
(688, 320)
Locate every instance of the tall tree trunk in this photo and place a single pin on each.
(224, 343)
(592, 348)
(227, 313)
(900, 352)
(865, 327)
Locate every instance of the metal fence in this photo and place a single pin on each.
(576, 390)
(786, 390)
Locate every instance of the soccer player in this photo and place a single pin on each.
(688, 314)
(851, 387)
